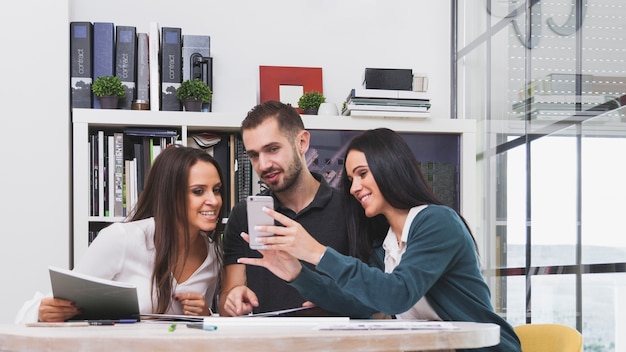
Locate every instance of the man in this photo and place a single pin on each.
(276, 143)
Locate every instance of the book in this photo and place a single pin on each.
(95, 171)
(402, 114)
(221, 153)
(101, 173)
(143, 68)
(97, 298)
(206, 139)
(558, 101)
(388, 93)
(127, 191)
(110, 176)
(151, 132)
(375, 107)
(132, 186)
(243, 171)
(388, 102)
(81, 41)
(171, 68)
(126, 62)
(103, 53)
(154, 43)
(119, 174)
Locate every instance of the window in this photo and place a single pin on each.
(547, 80)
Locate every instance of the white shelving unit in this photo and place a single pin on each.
(85, 119)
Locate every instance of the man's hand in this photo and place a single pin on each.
(240, 300)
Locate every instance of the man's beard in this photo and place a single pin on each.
(290, 176)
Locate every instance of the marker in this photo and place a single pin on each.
(172, 327)
(202, 326)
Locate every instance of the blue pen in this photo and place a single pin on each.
(112, 322)
(202, 326)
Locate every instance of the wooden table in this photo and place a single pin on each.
(150, 336)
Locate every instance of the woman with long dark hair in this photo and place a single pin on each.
(169, 247)
(412, 257)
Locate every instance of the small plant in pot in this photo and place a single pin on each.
(109, 90)
(193, 93)
(310, 102)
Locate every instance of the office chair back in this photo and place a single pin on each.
(549, 338)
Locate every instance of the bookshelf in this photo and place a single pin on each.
(86, 120)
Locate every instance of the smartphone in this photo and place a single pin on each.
(256, 216)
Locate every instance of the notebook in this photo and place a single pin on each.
(99, 299)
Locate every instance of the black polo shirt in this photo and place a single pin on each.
(324, 219)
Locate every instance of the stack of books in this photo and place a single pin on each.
(562, 106)
(386, 103)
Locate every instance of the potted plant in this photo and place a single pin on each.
(109, 90)
(193, 93)
(310, 101)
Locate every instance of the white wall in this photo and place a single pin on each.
(342, 37)
(34, 154)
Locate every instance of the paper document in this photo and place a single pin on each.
(97, 298)
(274, 321)
(389, 324)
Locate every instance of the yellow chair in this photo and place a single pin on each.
(549, 338)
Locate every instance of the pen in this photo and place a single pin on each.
(112, 322)
(172, 327)
(101, 322)
(202, 326)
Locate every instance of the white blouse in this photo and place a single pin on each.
(125, 252)
(394, 250)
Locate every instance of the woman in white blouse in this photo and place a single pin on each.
(170, 246)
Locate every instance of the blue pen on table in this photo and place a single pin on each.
(202, 326)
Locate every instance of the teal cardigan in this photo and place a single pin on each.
(440, 263)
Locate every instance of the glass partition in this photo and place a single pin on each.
(547, 80)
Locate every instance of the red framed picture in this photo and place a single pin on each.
(286, 84)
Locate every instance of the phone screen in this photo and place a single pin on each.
(256, 216)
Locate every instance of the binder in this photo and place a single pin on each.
(103, 53)
(143, 68)
(81, 41)
(126, 62)
(171, 70)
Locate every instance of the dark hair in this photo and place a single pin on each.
(164, 197)
(289, 121)
(399, 178)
